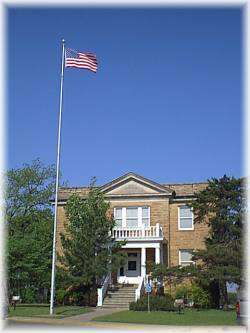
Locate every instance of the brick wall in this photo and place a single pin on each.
(162, 211)
(158, 210)
(184, 239)
(60, 227)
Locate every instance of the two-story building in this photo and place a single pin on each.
(153, 218)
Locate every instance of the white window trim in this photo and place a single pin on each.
(179, 219)
(191, 262)
(115, 214)
(148, 217)
(131, 218)
(139, 216)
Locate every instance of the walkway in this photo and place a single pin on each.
(86, 317)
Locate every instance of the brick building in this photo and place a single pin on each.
(153, 218)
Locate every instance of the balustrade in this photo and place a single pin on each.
(137, 233)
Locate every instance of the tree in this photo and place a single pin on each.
(89, 252)
(29, 221)
(172, 276)
(29, 189)
(222, 206)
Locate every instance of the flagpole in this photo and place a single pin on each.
(53, 273)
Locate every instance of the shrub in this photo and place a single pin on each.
(182, 292)
(200, 297)
(61, 296)
(157, 303)
(232, 298)
(29, 296)
(82, 295)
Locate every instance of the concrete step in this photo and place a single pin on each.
(120, 286)
(123, 292)
(122, 297)
(126, 285)
(118, 300)
(115, 306)
(123, 289)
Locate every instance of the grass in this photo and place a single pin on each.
(189, 318)
(43, 311)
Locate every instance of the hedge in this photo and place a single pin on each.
(157, 303)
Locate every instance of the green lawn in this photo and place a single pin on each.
(190, 317)
(43, 311)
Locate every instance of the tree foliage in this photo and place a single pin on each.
(29, 190)
(89, 251)
(222, 207)
(29, 224)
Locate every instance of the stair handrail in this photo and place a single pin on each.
(101, 292)
(140, 288)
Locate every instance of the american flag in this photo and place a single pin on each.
(81, 60)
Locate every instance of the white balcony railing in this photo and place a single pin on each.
(138, 233)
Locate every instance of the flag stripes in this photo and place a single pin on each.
(81, 60)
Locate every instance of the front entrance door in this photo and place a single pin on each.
(133, 264)
(132, 270)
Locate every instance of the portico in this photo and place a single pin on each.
(137, 250)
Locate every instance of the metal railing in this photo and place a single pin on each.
(140, 289)
(101, 292)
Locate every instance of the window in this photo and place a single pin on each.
(185, 257)
(185, 218)
(131, 265)
(132, 217)
(145, 216)
(118, 217)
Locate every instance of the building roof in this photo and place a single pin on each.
(186, 189)
(176, 190)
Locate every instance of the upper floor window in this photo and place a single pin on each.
(132, 217)
(185, 257)
(145, 216)
(118, 217)
(185, 220)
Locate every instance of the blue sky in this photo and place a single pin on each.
(166, 102)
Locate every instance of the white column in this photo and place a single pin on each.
(143, 231)
(157, 230)
(157, 254)
(123, 217)
(161, 247)
(139, 217)
(143, 262)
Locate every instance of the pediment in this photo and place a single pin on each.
(134, 185)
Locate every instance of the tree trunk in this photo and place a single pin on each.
(223, 288)
(214, 290)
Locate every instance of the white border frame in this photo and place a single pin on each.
(137, 3)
